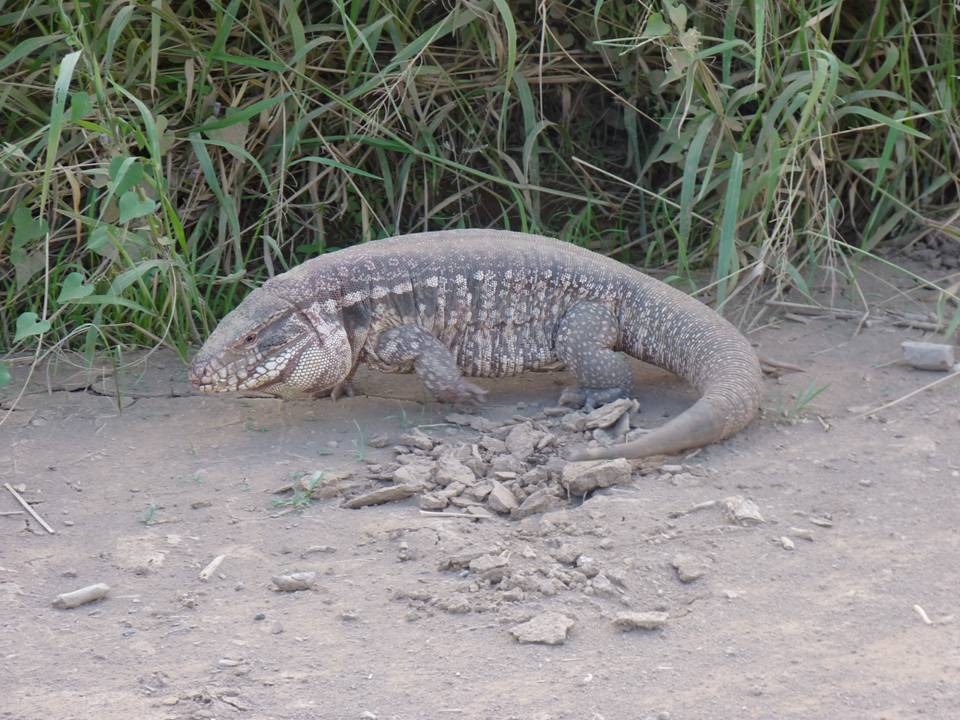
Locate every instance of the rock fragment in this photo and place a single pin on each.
(539, 501)
(417, 438)
(294, 582)
(567, 554)
(450, 470)
(614, 433)
(640, 620)
(549, 628)
(688, 568)
(492, 444)
(741, 511)
(609, 414)
(501, 499)
(928, 356)
(89, 594)
(490, 567)
(380, 496)
(522, 440)
(431, 501)
(580, 478)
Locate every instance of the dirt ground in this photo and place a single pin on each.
(854, 615)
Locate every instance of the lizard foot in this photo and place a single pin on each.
(591, 398)
(344, 389)
(573, 397)
(462, 393)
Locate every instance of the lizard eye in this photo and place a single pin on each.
(250, 339)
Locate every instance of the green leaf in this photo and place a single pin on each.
(798, 282)
(678, 15)
(29, 324)
(73, 288)
(234, 116)
(5, 377)
(26, 227)
(248, 61)
(80, 105)
(101, 237)
(60, 89)
(119, 22)
(26, 47)
(727, 252)
(691, 167)
(125, 172)
(878, 118)
(333, 163)
(112, 300)
(125, 279)
(655, 27)
(132, 206)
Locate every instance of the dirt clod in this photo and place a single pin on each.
(653, 620)
(549, 628)
(294, 582)
(688, 568)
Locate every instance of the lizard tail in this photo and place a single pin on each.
(671, 330)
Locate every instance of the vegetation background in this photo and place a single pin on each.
(159, 157)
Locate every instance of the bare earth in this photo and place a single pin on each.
(857, 620)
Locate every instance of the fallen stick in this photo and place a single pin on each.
(816, 310)
(81, 596)
(674, 514)
(462, 516)
(909, 395)
(26, 506)
(210, 569)
(11, 512)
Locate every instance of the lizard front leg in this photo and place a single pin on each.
(432, 361)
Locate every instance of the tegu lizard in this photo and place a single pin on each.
(485, 303)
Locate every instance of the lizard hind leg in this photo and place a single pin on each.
(432, 361)
(585, 339)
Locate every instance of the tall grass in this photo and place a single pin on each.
(157, 157)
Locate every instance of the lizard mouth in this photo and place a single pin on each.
(214, 377)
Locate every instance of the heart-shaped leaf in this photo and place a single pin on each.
(29, 324)
(73, 288)
(132, 206)
(26, 227)
(4, 375)
(678, 15)
(655, 27)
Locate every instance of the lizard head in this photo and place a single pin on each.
(270, 344)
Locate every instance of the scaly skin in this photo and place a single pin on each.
(484, 303)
